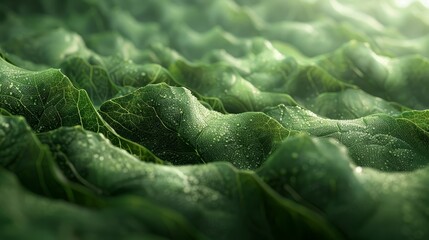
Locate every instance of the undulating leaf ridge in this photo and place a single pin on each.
(320, 174)
(104, 78)
(196, 134)
(294, 119)
(403, 80)
(236, 94)
(351, 104)
(420, 118)
(217, 198)
(45, 170)
(379, 141)
(48, 100)
(48, 218)
(48, 48)
(35, 167)
(259, 64)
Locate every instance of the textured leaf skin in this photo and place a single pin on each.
(378, 141)
(221, 201)
(48, 100)
(320, 173)
(388, 78)
(236, 94)
(47, 218)
(196, 134)
(221, 119)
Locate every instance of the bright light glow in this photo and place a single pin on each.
(406, 3)
(358, 169)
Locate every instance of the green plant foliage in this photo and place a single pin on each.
(211, 196)
(379, 141)
(196, 134)
(48, 100)
(320, 174)
(221, 119)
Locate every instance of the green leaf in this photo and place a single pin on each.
(31, 216)
(313, 38)
(378, 141)
(92, 77)
(195, 134)
(358, 70)
(420, 118)
(35, 167)
(219, 200)
(236, 94)
(350, 104)
(48, 100)
(104, 78)
(320, 174)
(393, 79)
(194, 45)
(48, 48)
